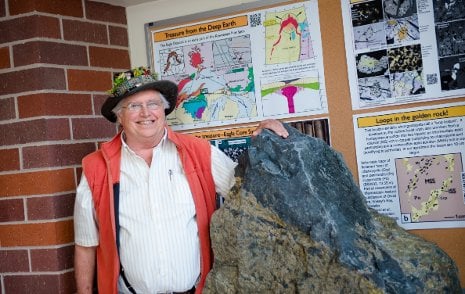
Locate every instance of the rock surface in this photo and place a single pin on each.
(296, 222)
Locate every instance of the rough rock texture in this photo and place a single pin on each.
(296, 222)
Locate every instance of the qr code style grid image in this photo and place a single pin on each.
(255, 20)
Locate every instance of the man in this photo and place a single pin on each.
(145, 199)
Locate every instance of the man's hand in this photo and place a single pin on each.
(273, 125)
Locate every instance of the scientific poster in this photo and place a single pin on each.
(243, 68)
(411, 164)
(404, 51)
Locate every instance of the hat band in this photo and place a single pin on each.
(132, 84)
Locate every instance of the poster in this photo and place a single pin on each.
(404, 51)
(242, 68)
(411, 164)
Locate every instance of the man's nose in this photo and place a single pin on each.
(144, 110)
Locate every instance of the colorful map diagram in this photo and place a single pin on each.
(430, 188)
(287, 36)
(173, 62)
(291, 96)
(215, 81)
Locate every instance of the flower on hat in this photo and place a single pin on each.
(128, 80)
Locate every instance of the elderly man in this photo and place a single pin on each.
(145, 199)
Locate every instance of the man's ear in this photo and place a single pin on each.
(118, 118)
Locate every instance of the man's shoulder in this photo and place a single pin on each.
(93, 156)
(93, 162)
(110, 148)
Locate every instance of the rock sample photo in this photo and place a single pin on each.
(296, 222)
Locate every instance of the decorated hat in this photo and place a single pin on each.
(133, 81)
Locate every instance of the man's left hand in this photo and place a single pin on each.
(273, 125)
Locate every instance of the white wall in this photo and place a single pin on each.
(139, 15)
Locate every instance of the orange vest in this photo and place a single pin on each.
(102, 171)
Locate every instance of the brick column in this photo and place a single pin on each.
(57, 59)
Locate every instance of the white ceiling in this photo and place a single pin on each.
(125, 3)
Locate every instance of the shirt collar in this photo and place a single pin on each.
(161, 144)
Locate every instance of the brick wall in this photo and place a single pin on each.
(56, 62)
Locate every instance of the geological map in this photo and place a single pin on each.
(287, 36)
(215, 81)
(430, 188)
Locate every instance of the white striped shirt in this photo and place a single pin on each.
(159, 238)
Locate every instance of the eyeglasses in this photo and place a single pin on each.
(137, 107)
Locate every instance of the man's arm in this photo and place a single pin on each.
(84, 268)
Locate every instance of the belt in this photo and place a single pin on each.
(191, 291)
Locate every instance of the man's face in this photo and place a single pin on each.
(143, 116)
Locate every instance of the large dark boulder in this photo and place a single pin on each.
(296, 222)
